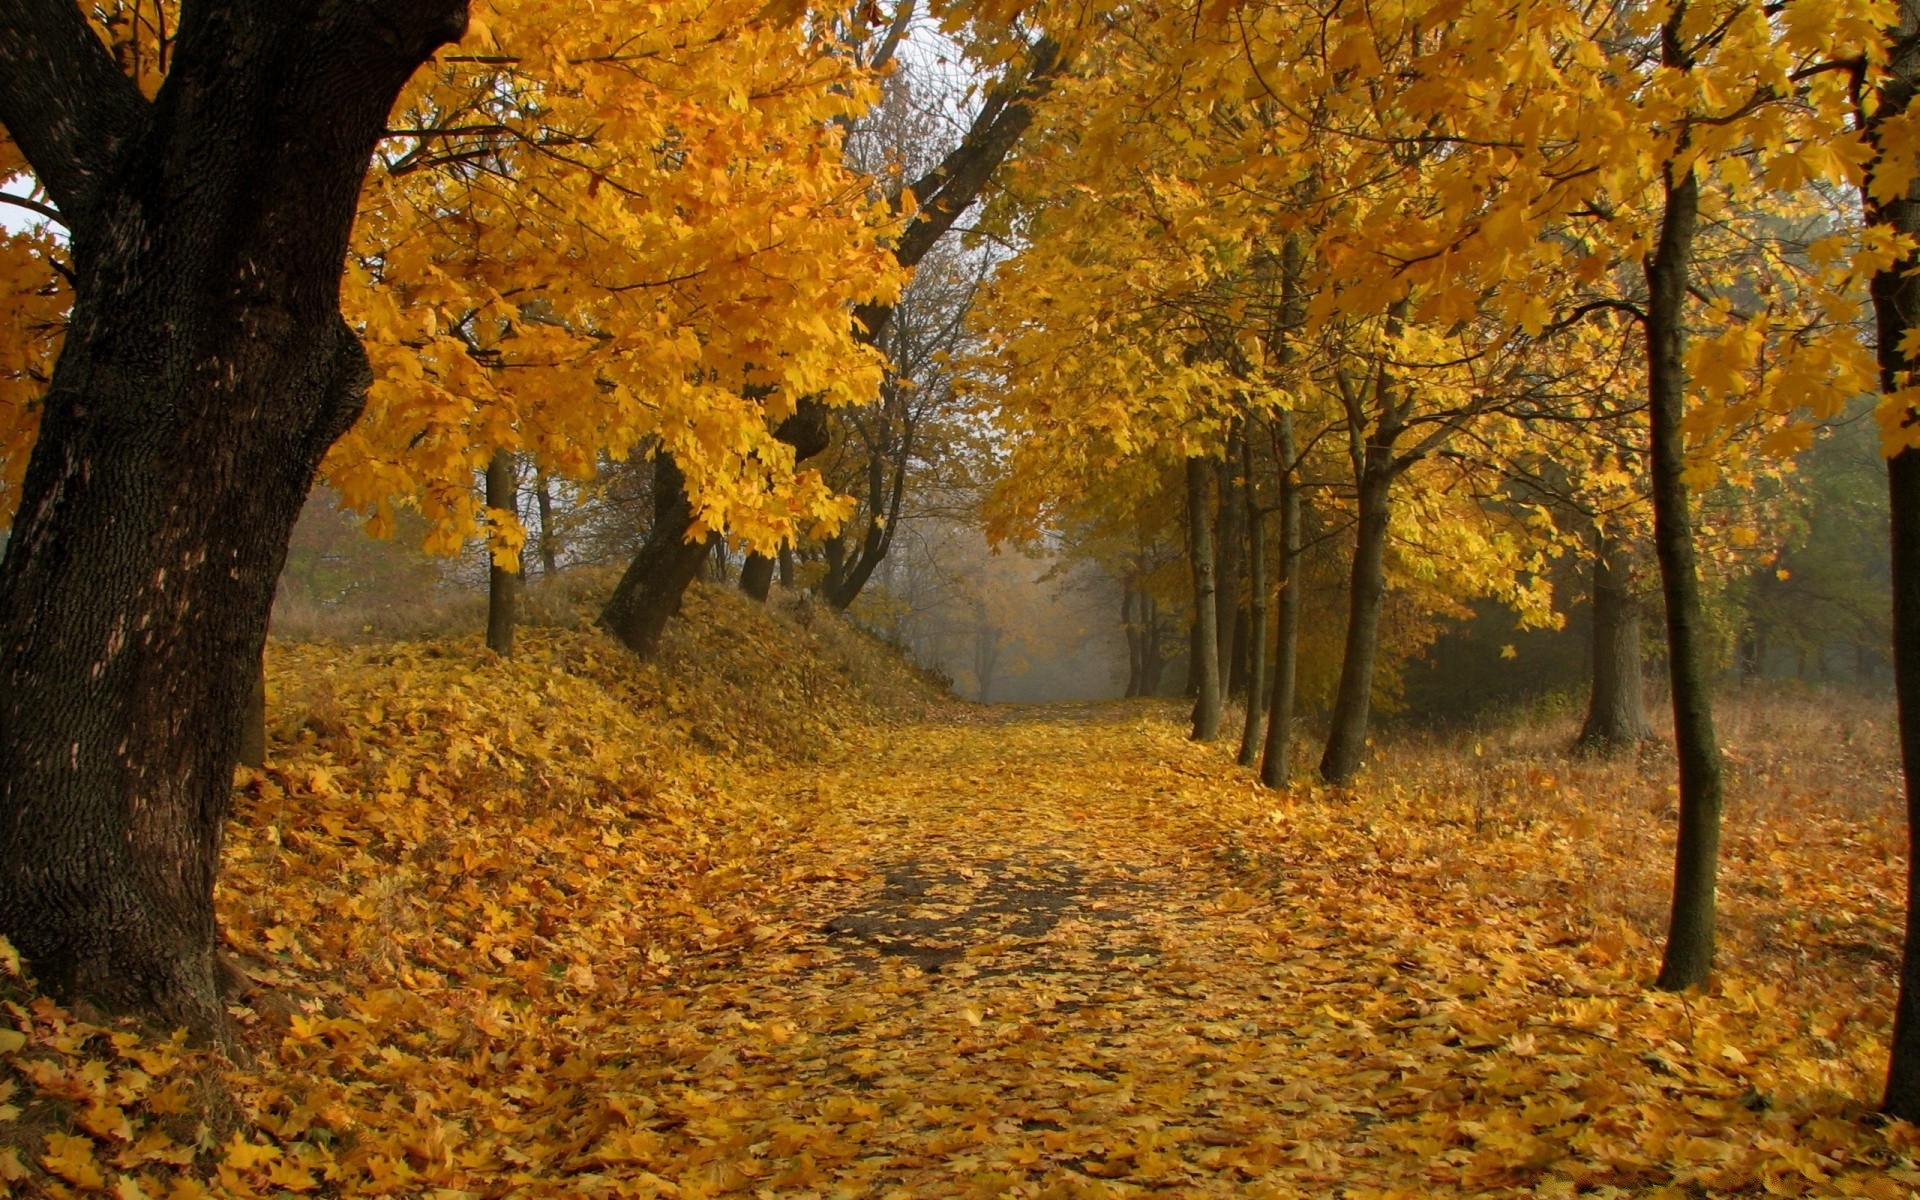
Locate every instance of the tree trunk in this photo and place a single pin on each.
(205, 372)
(786, 566)
(756, 577)
(1205, 671)
(1154, 663)
(649, 594)
(252, 748)
(549, 541)
(1896, 306)
(1229, 552)
(503, 585)
(1256, 691)
(1616, 711)
(1347, 736)
(1275, 767)
(1136, 675)
(1689, 952)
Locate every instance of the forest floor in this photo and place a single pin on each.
(508, 931)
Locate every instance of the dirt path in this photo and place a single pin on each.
(1008, 977)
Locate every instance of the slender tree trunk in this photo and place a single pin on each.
(1347, 737)
(1275, 767)
(1155, 663)
(1690, 929)
(503, 585)
(1133, 636)
(1229, 556)
(1206, 663)
(1616, 709)
(549, 542)
(205, 372)
(786, 566)
(649, 594)
(1896, 306)
(1256, 638)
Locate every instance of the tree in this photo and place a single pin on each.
(206, 370)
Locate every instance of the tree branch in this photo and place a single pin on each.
(62, 100)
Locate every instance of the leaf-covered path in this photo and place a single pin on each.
(1057, 954)
(1007, 971)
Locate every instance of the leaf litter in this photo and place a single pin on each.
(529, 929)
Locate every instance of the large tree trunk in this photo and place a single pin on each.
(649, 594)
(205, 372)
(1205, 671)
(1616, 709)
(1689, 952)
(503, 585)
(251, 750)
(1275, 766)
(1896, 305)
(1347, 737)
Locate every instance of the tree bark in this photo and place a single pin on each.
(649, 594)
(756, 577)
(1616, 708)
(1690, 928)
(1896, 306)
(549, 541)
(1256, 640)
(1275, 765)
(1229, 551)
(205, 372)
(1347, 737)
(252, 748)
(503, 585)
(1205, 671)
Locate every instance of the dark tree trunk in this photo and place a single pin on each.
(756, 577)
(1205, 670)
(252, 748)
(1616, 709)
(1256, 639)
(206, 370)
(1347, 737)
(1191, 689)
(1689, 952)
(1896, 306)
(786, 566)
(1153, 663)
(1275, 765)
(549, 542)
(503, 585)
(1136, 659)
(1229, 552)
(649, 594)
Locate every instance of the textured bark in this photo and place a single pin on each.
(1275, 765)
(1352, 707)
(649, 594)
(1205, 670)
(1616, 706)
(251, 750)
(206, 370)
(1896, 305)
(1690, 928)
(503, 586)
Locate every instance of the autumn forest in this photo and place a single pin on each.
(1273, 598)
